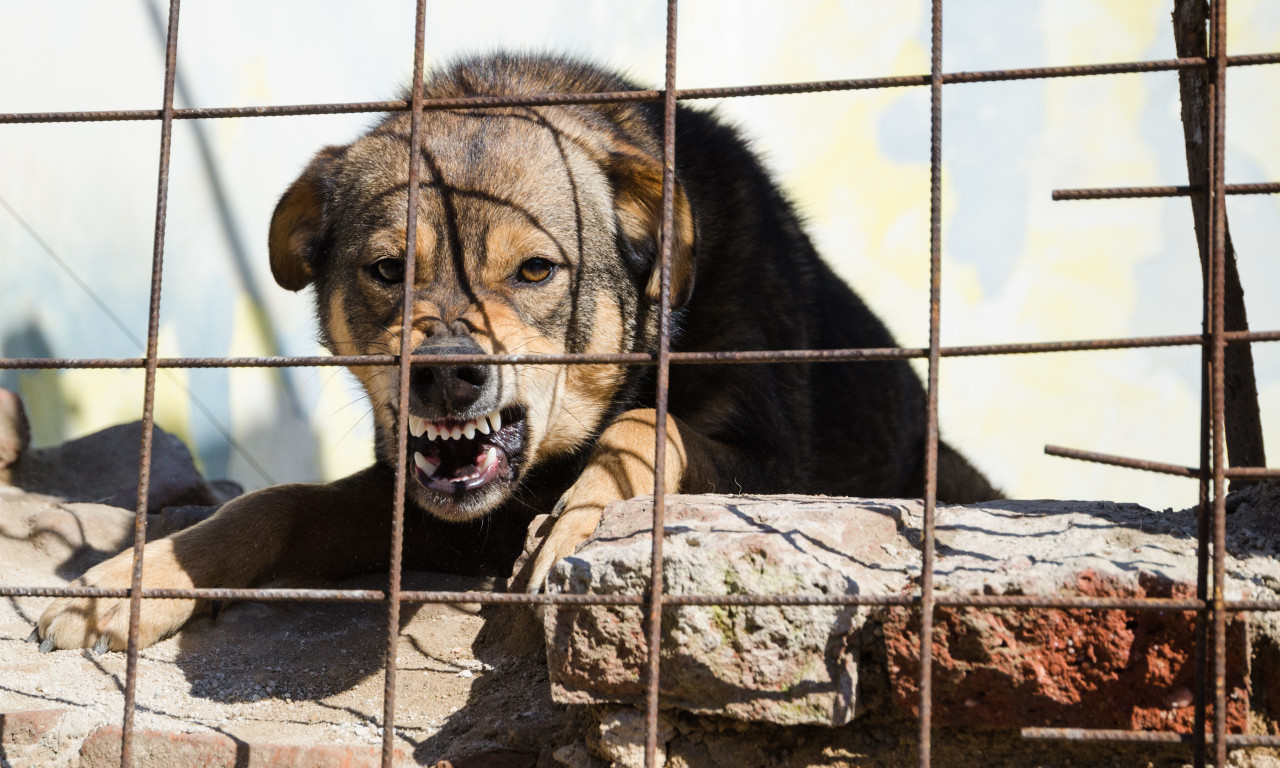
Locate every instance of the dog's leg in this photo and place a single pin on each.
(285, 531)
(621, 467)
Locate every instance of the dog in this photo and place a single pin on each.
(539, 233)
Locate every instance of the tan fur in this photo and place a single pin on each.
(638, 186)
(280, 532)
(74, 622)
(295, 223)
(587, 389)
(621, 467)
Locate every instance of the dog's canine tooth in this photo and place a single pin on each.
(469, 429)
(432, 433)
(490, 456)
(421, 463)
(417, 425)
(495, 419)
(482, 424)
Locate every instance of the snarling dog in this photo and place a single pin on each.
(538, 233)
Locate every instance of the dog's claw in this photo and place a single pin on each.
(34, 637)
(102, 646)
(47, 645)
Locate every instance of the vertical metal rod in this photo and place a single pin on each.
(1217, 230)
(402, 411)
(149, 394)
(931, 429)
(1203, 617)
(663, 382)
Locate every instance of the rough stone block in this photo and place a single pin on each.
(1061, 668)
(103, 467)
(783, 664)
(1002, 667)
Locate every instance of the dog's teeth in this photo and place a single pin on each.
(482, 424)
(432, 433)
(421, 462)
(469, 430)
(417, 425)
(490, 457)
(495, 419)
(457, 433)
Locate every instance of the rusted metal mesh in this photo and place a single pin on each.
(1210, 604)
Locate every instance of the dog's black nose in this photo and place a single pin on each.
(445, 390)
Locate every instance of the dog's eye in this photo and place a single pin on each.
(387, 270)
(536, 270)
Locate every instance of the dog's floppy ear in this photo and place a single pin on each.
(637, 202)
(298, 222)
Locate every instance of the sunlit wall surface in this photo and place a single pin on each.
(78, 203)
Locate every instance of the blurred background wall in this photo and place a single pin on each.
(77, 205)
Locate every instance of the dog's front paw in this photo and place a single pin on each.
(568, 531)
(103, 622)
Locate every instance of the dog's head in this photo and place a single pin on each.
(537, 233)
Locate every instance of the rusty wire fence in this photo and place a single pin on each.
(1210, 605)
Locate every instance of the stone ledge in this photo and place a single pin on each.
(993, 668)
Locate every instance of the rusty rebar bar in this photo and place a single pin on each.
(928, 553)
(1157, 466)
(149, 393)
(869, 354)
(1216, 176)
(653, 674)
(402, 410)
(1063, 602)
(1200, 682)
(778, 89)
(1147, 737)
(1115, 193)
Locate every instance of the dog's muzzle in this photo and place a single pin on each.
(461, 437)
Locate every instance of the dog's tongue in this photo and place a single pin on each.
(451, 461)
(452, 471)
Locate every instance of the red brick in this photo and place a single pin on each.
(160, 749)
(315, 756)
(1010, 668)
(20, 729)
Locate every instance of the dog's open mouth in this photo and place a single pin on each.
(455, 457)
